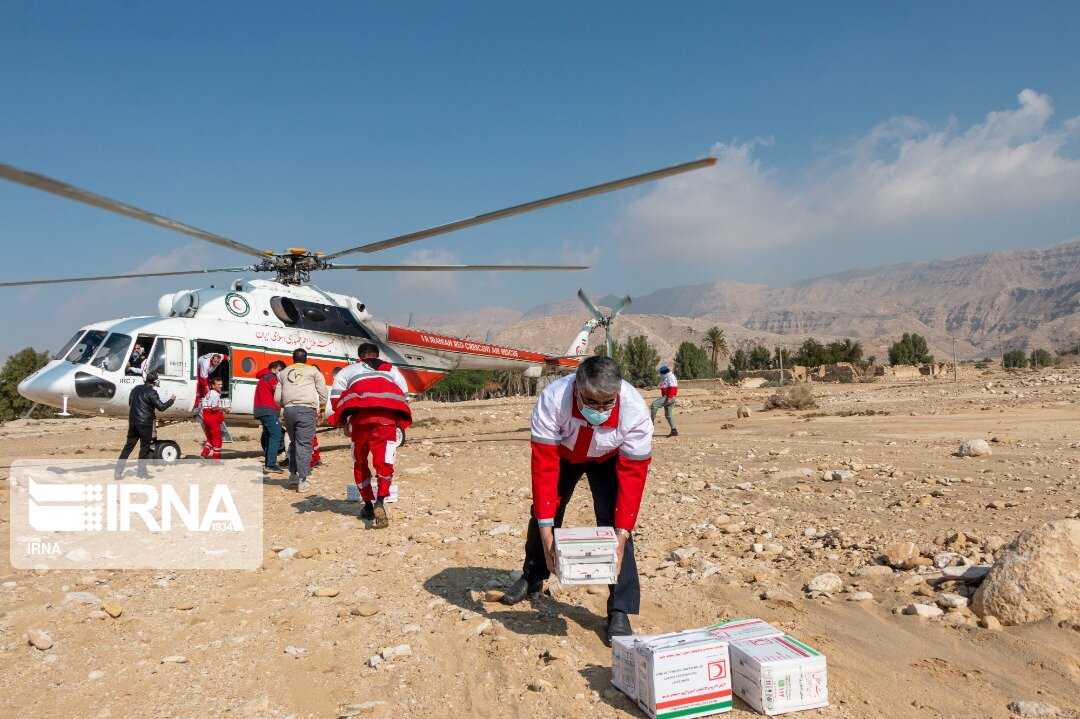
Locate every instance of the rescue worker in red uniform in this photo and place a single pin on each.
(213, 416)
(593, 424)
(370, 398)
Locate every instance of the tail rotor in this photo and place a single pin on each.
(601, 320)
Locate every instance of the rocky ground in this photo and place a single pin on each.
(785, 515)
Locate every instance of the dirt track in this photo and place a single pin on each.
(464, 487)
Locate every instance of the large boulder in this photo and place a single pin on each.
(1036, 576)
(975, 448)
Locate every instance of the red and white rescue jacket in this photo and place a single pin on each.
(560, 431)
(373, 388)
(211, 405)
(669, 387)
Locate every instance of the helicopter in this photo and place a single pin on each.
(250, 323)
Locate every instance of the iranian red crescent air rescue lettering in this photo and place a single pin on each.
(406, 336)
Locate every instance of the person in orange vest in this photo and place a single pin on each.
(213, 416)
(370, 397)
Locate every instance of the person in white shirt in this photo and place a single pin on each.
(669, 387)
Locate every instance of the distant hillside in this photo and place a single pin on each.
(1018, 298)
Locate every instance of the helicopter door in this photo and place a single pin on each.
(167, 359)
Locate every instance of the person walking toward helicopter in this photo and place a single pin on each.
(301, 391)
(143, 405)
(370, 399)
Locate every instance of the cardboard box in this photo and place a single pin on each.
(739, 629)
(624, 658)
(624, 663)
(684, 675)
(779, 674)
(586, 555)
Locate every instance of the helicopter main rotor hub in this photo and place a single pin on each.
(294, 266)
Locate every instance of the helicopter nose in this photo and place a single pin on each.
(49, 385)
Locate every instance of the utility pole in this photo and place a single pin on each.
(954, 359)
(780, 354)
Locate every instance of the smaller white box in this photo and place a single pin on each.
(780, 674)
(739, 629)
(687, 675)
(586, 555)
(352, 493)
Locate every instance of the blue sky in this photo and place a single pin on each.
(849, 134)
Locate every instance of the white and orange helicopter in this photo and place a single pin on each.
(253, 322)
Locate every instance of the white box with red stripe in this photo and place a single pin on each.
(624, 658)
(683, 675)
(735, 630)
(586, 555)
(778, 674)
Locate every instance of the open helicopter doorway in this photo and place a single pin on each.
(204, 350)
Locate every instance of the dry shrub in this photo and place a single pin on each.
(796, 396)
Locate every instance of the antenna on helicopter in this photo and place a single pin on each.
(601, 320)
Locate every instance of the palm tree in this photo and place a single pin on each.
(716, 343)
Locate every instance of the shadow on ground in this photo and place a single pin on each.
(539, 614)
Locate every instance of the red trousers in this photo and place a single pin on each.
(316, 455)
(212, 421)
(379, 440)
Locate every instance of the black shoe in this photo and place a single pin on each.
(368, 512)
(674, 433)
(521, 589)
(618, 625)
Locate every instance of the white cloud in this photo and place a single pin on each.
(900, 173)
(429, 285)
(121, 298)
(578, 254)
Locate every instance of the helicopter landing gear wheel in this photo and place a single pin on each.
(399, 437)
(166, 451)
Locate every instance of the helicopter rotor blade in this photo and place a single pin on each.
(589, 305)
(455, 268)
(527, 207)
(126, 277)
(607, 340)
(47, 184)
(625, 301)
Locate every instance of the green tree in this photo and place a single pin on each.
(760, 357)
(911, 349)
(1015, 359)
(811, 354)
(739, 362)
(1041, 358)
(717, 346)
(460, 384)
(844, 351)
(691, 362)
(639, 361)
(18, 367)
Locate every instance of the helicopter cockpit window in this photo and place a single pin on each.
(110, 357)
(69, 344)
(85, 347)
(305, 315)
